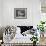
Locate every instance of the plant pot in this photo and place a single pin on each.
(34, 43)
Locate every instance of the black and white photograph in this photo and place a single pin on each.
(20, 13)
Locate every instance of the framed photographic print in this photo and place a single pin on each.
(20, 13)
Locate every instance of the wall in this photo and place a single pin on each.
(36, 7)
(33, 12)
(0, 12)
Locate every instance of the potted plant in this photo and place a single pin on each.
(34, 39)
(41, 27)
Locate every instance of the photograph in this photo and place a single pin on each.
(20, 13)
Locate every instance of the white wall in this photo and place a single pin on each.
(36, 7)
(33, 12)
(0, 12)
